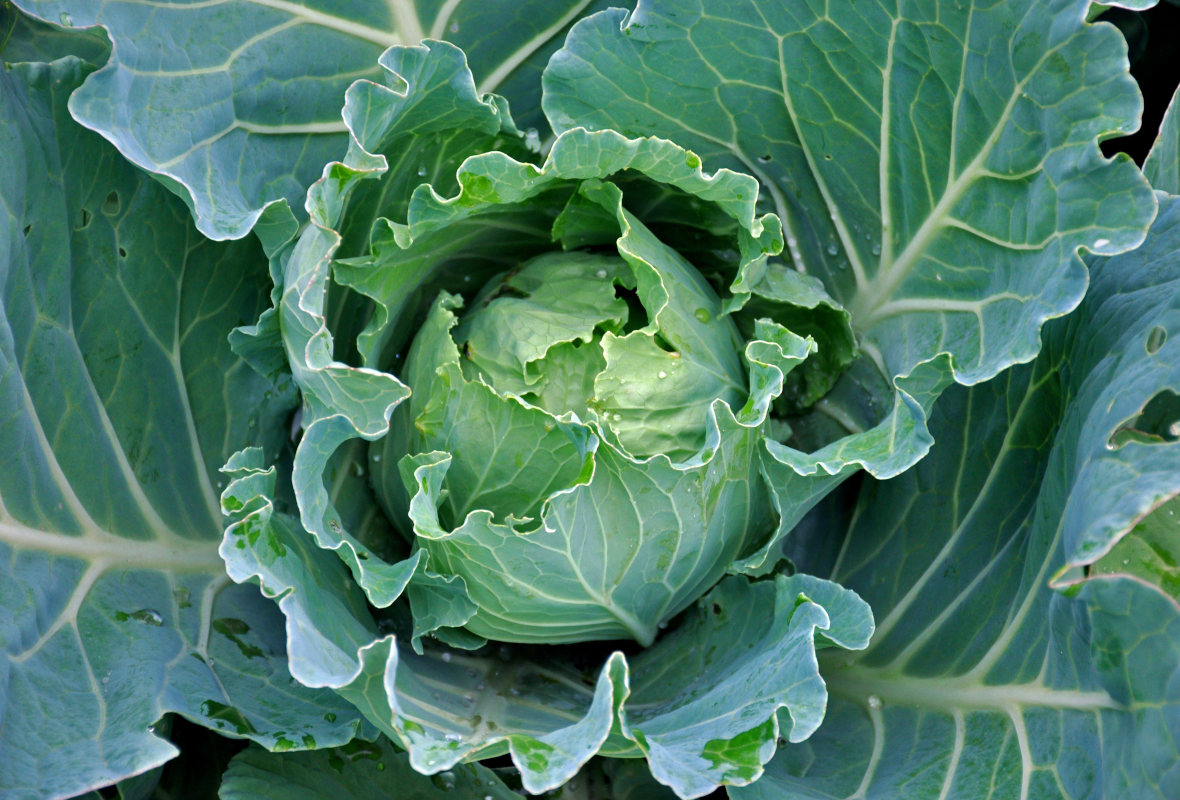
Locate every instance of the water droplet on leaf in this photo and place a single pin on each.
(145, 615)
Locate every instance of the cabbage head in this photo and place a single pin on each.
(581, 444)
(547, 401)
(567, 463)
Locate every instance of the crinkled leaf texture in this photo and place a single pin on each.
(714, 724)
(119, 397)
(1023, 650)
(236, 105)
(935, 164)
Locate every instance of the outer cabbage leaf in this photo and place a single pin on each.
(23, 38)
(1021, 650)
(236, 105)
(119, 398)
(935, 165)
(696, 730)
(1162, 166)
(360, 770)
(1132, 5)
(733, 661)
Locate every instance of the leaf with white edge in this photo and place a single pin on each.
(705, 698)
(1131, 5)
(271, 547)
(666, 410)
(118, 398)
(1150, 551)
(24, 38)
(468, 416)
(1014, 656)
(441, 608)
(935, 165)
(361, 770)
(799, 479)
(568, 579)
(1162, 166)
(800, 303)
(236, 104)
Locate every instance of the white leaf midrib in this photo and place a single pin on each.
(167, 551)
(958, 693)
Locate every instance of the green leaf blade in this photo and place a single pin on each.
(115, 402)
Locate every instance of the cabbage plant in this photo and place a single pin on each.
(500, 399)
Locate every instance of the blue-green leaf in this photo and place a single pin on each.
(1162, 166)
(1016, 654)
(361, 771)
(119, 397)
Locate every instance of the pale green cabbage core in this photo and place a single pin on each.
(560, 334)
